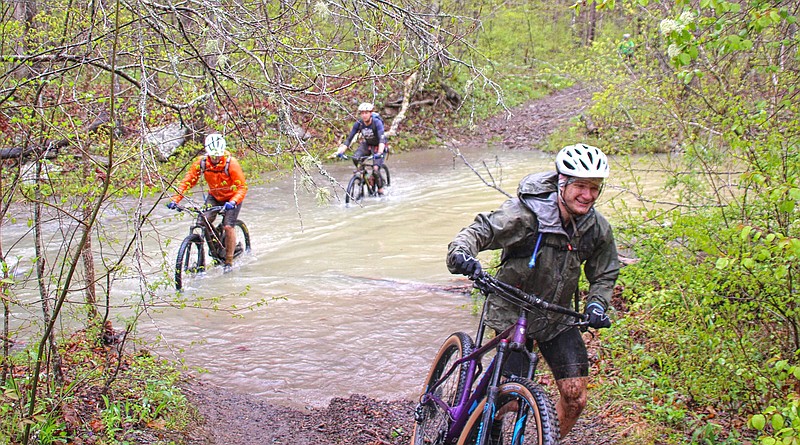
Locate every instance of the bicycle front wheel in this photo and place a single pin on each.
(523, 415)
(355, 190)
(432, 420)
(191, 259)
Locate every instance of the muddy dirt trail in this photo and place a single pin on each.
(229, 418)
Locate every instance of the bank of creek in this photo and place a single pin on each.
(358, 300)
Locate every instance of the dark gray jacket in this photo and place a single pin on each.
(516, 228)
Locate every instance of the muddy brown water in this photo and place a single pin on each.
(356, 298)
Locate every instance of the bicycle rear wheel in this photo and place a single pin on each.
(242, 238)
(191, 259)
(523, 415)
(355, 190)
(386, 179)
(432, 420)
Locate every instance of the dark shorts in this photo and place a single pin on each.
(365, 150)
(228, 219)
(566, 355)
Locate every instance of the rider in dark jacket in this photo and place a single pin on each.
(373, 139)
(546, 234)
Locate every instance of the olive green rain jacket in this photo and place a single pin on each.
(516, 228)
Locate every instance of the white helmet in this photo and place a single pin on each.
(215, 144)
(582, 161)
(366, 106)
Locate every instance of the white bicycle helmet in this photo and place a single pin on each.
(215, 144)
(582, 161)
(366, 106)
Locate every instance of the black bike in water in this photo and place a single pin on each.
(191, 255)
(365, 181)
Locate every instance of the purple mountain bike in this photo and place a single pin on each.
(461, 404)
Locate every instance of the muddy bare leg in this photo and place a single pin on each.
(230, 244)
(572, 401)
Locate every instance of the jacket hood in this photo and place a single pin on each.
(539, 192)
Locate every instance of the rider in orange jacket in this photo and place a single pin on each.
(226, 183)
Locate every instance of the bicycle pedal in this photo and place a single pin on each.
(419, 412)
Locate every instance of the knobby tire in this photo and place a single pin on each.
(191, 259)
(355, 190)
(523, 415)
(433, 421)
(242, 238)
(386, 179)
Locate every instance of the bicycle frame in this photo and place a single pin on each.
(207, 231)
(512, 339)
(364, 163)
(365, 168)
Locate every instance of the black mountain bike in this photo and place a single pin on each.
(365, 181)
(191, 255)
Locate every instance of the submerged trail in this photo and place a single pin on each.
(238, 418)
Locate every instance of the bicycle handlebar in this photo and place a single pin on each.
(487, 283)
(194, 209)
(359, 159)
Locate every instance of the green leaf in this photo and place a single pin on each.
(758, 422)
(777, 421)
(786, 206)
(722, 263)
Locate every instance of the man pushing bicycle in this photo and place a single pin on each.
(373, 139)
(227, 186)
(547, 233)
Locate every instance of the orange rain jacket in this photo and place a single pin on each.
(223, 187)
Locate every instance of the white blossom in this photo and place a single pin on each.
(321, 8)
(673, 50)
(668, 25)
(687, 17)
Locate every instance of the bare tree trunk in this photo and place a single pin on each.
(4, 285)
(408, 91)
(592, 25)
(23, 11)
(41, 274)
(89, 276)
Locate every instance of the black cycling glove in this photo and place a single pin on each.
(597, 316)
(467, 265)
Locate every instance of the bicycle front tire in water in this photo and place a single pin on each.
(432, 421)
(355, 190)
(191, 259)
(523, 414)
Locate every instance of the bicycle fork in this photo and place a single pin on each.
(489, 408)
(516, 344)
